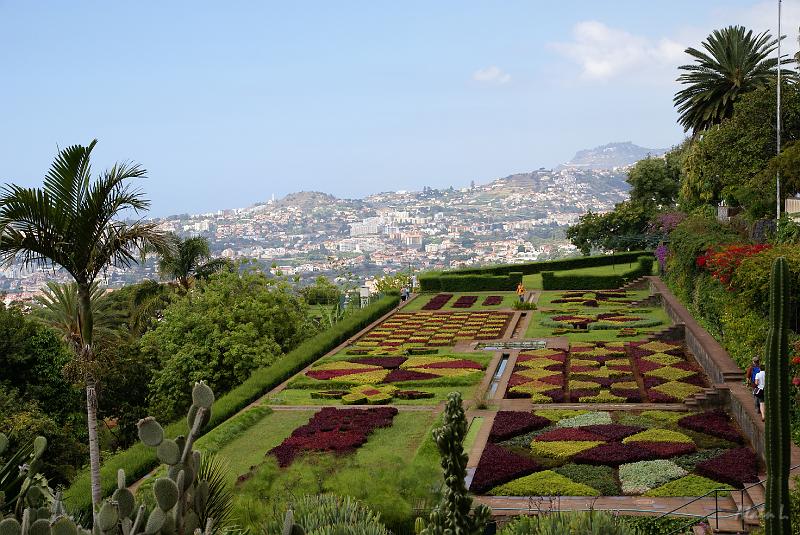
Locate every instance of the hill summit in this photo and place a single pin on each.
(611, 155)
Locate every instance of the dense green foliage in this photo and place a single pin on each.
(470, 283)
(138, 460)
(229, 326)
(575, 523)
(189, 259)
(328, 513)
(321, 292)
(654, 182)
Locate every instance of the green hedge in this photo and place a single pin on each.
(551, 281)
(549, 265)
(138, 460)
(447, 282)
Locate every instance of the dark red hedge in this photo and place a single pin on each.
(613, 454)
(333, 430)
(716, 423)
(497, 466)
(615, 432)
(735, 467)
(665, 450)
(568, 433)
(492, 300)
(508, 424)
(385, 362)
(408, 375)
(437, 302)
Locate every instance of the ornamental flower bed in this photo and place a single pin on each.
(331, 430)
(437, 301)
(465, 301)
(601, 452)
(599, 373)
(538, 375)
(666, 372)
(492, 300)
(406, 330)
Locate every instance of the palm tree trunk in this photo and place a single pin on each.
(86, 325)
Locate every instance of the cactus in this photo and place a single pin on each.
(21, 483)
(776, 401)
(454, 513)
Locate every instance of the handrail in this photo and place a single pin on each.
(739, 512)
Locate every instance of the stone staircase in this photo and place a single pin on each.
(636, 284)
(709, 398)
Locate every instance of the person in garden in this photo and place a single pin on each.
(750, 379)
(521, 292)
(404, 293)
(760, 382)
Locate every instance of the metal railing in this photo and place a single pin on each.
(740, 512)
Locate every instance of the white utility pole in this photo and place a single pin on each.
(778, 121)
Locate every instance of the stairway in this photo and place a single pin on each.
(635, 284)
(709, 398)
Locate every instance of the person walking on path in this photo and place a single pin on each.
(521, 292)
(404, 294)
(750, 379)
(761, 384)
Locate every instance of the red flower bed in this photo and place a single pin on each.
(613, 432)
(437, 302)
(665, 450)
(576, 395)
(408, 375)
(556, 357)
(508, 424)
(465, 301)
(386, 362)
(557, 380)
(517, 379)
(722, 263)
(657, 397)
(334, 430)
(492, 300)
(647, 366)
(735, 467)
(568, 433)
(716, 423)
(633, 396)
(497, 466)
(613, 454)
(327, 375)
(462, 363)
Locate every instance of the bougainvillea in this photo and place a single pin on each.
(722, 262)
(508, 424)
(497, 465)
(333, 430)
(735, 467)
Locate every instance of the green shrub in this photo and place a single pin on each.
(562, 449)
(139, 459)
(691, 485)
(447, 282)
(574, 523)
(553, 265)
(551, 281)
(597, 477)
(323, 514)
(545, 483)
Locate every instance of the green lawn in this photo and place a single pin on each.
(534, 282)
(472, 433)
(536, 330)
(394, 472)
(421, 300)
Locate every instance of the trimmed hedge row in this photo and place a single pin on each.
(548, 265)
(551, 281)
(139, 459)
(448, 282)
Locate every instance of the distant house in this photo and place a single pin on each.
(792, 208)
(725, 212)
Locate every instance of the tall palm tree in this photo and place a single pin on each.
(73, 223)
(188, 259)
(734, 62)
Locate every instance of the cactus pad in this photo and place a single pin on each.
(155, 521)
(107, 517)
(202, 395)
(64, 526)
(126, 501)
(150, 432)
(10, 526)
(40, 527)
(39, 445)
(168, 452)
(166, 493)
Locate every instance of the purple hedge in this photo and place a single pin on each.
(508, 424)
(497, 466)
(735, 467)
(716, 423)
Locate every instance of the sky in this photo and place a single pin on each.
(228, 103)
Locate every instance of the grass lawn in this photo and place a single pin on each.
(421, 300)
(534, 282)
(240, 454)
(394, 472)
(472, 433)
(536, 330)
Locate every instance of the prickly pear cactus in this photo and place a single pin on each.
(21, 483)
(181, 497)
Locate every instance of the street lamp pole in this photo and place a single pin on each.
(778, 122)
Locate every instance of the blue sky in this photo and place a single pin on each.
(227, 103)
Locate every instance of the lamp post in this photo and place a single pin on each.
(778, 124)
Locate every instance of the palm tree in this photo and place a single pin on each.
(187, 260)
(73, 223)
(734, 62)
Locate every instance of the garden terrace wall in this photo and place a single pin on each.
(551, 281)
(138, 460)
(447, 282)
(533, 268)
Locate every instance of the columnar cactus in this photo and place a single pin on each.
(777, 402)
(454, 513)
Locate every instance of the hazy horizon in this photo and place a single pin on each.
(226, 105)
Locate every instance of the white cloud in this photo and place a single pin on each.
(491, 75)
(604, 52)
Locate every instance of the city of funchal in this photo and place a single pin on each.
(370, 269)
